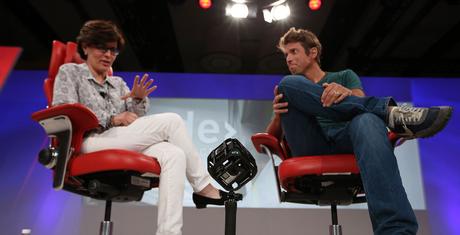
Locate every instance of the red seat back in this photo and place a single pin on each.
(72, 55)
(58, 53)
(61, 53)
(57, 58)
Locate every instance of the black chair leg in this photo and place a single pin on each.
(107, 225)
(335, 228)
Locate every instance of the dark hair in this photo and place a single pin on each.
(99, 32)
(305, 37)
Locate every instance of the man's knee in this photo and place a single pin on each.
(292, 81)
(295, 83)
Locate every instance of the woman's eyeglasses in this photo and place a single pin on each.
(113, 50)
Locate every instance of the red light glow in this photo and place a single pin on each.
(314, 4)
(205, 4)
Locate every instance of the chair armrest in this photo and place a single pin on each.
(269, 145)
(269, 141)
(81, 117)
(68, 123)
(395, 140)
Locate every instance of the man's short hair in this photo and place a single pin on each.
(305, 37)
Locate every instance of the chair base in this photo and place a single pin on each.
(106, 228)
(107, 225)
(335, 229)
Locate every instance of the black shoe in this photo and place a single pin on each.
(411, 122)
(202, 201)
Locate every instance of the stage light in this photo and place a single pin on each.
(238, 10)
(314, 4)
(280, 12)
(205, 4)
(267, 15)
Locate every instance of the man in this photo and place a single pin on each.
(328, 113)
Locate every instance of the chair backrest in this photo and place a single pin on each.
(58, 53)
(72, 55)
(61, 54)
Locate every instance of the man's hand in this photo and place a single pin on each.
(279, 107)
(141, 89)
(334, 93)
(274, 127)
(124, 119)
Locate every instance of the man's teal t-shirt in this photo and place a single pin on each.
(346, 78)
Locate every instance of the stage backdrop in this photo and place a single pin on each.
(8, 57)
(216, 107)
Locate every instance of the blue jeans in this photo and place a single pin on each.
(364, 134)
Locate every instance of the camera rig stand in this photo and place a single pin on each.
(232, 166)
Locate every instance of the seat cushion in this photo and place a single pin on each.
(113, 159)
(295, 167)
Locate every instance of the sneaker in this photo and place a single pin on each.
(412, 122)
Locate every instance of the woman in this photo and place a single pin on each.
(124, 125)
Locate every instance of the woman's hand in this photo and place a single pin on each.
(124, 119)
(141, 89)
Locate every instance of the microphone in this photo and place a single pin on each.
(103, 94)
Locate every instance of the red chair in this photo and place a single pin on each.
(110, 175)
(322, 180)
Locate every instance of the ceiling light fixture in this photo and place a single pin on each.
(239, 10)
(280, 12)
(276, 11)
(314, 5)
(205, 4)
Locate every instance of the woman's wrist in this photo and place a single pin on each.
(112, 121)
(138, 100)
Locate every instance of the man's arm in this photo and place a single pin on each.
(357, 92)
(274, 127)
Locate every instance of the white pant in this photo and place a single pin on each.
(165, 137)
